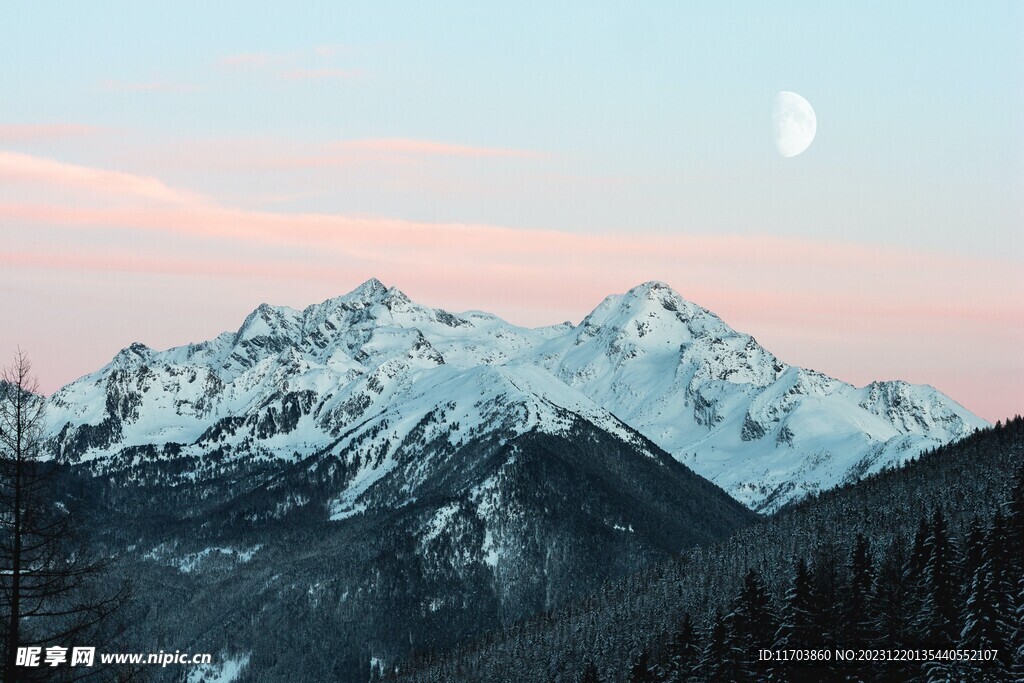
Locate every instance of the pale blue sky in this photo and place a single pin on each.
(919, 106)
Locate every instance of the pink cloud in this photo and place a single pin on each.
(26, 168)
(110, 260)
(28, 132)
(845, 308)
(874, 284)
(260, 154)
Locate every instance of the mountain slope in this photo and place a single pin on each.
(968, 482)
(449, 540)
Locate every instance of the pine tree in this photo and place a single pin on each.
(751, 626)
(890, 597)
(974, 553)
(1000, 562)
(825, 614)
(1016, 664)
(981, 620)
(796, 628)
(642, 671)
(1015, 518)
(938, 618)
(1013, 603)
(589, 673)
(715, 660)
(914, 577)
(858, 617)
(682, 652)
(980, 613)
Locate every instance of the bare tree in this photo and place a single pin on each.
(54, 592)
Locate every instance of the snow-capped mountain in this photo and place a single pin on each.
(380, 380)
(717, 400)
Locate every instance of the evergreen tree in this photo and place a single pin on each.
(914, 577)
(751, 626)
(890, 598)
(1015, 519)
(974, 553)
(1012, 606)
(682, 653)
(589, 673)
(988, 616)
(642, 671)
(938, 617)
(858, 599)
(715, 661)
(980, 615)
(1016, 664)
(796, 628)
(825, 614)
(1000, 564)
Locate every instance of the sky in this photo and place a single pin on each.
(166, 167)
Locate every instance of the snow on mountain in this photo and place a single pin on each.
(370, 373)
(719, 402)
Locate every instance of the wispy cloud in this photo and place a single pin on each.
(415, 147)
(186, 212)
(30, 169)
(301, 65)
(111, 85)
(397, 164)
(330, 50)
(46, 131)
(260, 154)
(320, 74)
(874, 278)
(251, 59)
(391, 150)
(863, 296)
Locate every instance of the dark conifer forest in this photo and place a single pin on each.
(925, 557)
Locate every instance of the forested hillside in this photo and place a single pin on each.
(929, 555)
(247, 562)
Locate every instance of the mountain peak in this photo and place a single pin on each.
(652, 300)
(135, 353)
(652, 286)
(367, 295)
(657, 291)
(369, 290)
(372, 292)
(267, 322)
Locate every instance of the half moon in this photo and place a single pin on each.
(793, 123)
